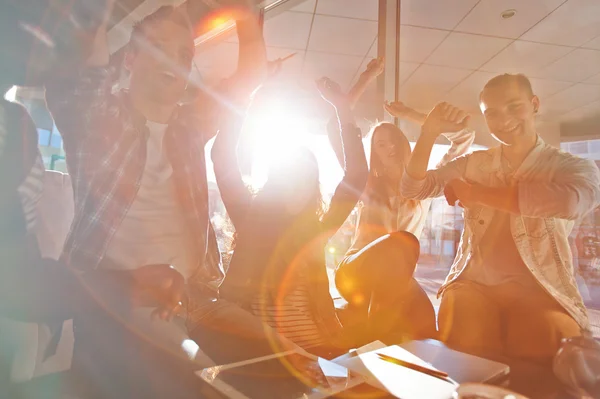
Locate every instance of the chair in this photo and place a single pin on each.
(55, 213)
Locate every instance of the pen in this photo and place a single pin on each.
(425, 370)
(287, 57)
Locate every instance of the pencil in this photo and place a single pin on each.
(412, 366)
(287, 57)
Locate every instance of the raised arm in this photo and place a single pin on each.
(251, 72)
(356, 171)
(252, 66)
(234, 193)
(573, 191)
(76, 97)
(417, 182)
(460, 141)
(373, 70)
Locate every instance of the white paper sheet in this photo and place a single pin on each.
(400, 381)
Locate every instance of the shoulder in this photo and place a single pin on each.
(564, 158)
(483, 154)
(478, 156)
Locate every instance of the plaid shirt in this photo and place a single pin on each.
(105, 144)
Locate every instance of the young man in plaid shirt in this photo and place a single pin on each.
(139, 176)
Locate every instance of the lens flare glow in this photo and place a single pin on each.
(273, 130)
(218, 22)
(11, 94)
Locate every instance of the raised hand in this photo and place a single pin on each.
(445, 118)
(332, 93)
(374, 68)
(397, 109)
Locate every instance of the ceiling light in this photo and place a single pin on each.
(507, 14)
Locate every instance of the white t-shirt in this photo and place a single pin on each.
(376, 219)
(154, 230)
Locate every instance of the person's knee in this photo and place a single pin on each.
(395, 256)
(537, 334)
(446, 317)
(468, 321)
(403, 244)
(420, 313)
(351, 287)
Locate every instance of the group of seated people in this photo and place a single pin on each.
(141, 267)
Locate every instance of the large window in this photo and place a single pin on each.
(585, 238)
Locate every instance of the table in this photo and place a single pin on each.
(529, 379)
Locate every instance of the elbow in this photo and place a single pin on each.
(572, 206)
(572, 209)
(412, 195)
(410, 190)
(359, 176)
(362, 177)
(576, 207)
(354, 183)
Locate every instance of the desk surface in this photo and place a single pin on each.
(531, 380)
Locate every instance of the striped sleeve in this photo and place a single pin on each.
(30, 192)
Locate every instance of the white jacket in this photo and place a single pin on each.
(555, 189)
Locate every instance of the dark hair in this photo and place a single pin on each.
(506, 79)
(303, 160)
(163, 13)
(376, 184)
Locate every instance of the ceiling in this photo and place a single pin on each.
(448, 50)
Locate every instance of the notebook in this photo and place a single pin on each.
(462, 367)
(409, 384)
(399, 381)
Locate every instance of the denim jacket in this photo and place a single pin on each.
(555, 189)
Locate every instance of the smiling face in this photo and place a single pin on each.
(390, 150)
(161, 62)
(509, 111)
